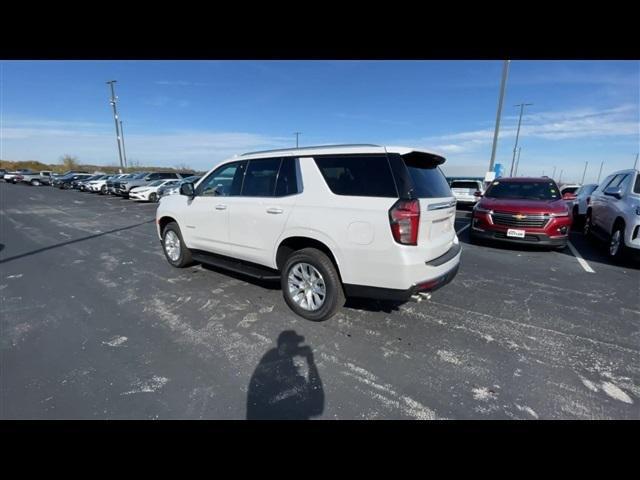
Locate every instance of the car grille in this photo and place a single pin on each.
(510, 220)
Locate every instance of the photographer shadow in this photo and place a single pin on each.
(278, 390)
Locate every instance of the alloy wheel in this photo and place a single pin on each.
(306, 286)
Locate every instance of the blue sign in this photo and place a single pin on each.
(499, 169)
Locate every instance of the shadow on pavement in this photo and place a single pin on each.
(278, 391)
(70, 242)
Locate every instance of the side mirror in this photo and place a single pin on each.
(187, 189)
(477, 193)
(614, 192)
(569, 196)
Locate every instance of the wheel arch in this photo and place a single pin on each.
(294, 243)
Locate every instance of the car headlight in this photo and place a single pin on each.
(563, 214)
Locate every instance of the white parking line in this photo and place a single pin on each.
(463, 229)
(583, 263)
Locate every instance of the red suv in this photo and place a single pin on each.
(522, 210)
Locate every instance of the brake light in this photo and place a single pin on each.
(404, 218)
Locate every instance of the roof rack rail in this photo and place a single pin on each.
(312, 148)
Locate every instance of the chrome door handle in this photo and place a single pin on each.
(221, 207)
(274, 210)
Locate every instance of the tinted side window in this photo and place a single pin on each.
(614, 181)
(260, 178)
(287, 183)
(636, 187)
(223, 181)
(358, 175)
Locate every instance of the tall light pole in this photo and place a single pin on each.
(553, 175)
(586, 164)
(517, 162)
(297, 134)
(124, 152)
(560, 179)
(503, 85)
(635, 164)
(600, 172)
(115, 117)
(521, 105)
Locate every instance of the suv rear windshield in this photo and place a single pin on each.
(358, 175)
(457, 184)
(541, 190)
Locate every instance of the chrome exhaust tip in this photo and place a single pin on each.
(416, 298)
(425, 295)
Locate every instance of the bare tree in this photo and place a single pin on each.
(69, 162)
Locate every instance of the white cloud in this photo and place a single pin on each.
(96, 144)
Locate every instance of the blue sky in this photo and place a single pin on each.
(200, 112)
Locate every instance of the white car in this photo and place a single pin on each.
(613, 213)
(467, 191)
(149, 193)
(569, 188)
(327, 222)
(578, 206)
(100, 186)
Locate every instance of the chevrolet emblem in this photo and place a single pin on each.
(519, 216)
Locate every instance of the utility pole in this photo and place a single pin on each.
(115, 117)
(297, 134)
(635, 164)
(586, 164)
(600, 172)
(503, 85)
(560, 179)
(521, 105)
(517, 162)
(124, 152)
(553, 175)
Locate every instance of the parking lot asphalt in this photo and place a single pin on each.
(97, 325)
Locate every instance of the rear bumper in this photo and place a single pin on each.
(392, 294)
(540, 239)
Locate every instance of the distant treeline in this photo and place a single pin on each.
(58, 168)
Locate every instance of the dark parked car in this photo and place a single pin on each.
(66, 181)
(522, 210)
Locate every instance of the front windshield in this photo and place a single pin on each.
(534, 190)
(156, 183)
(138, 176)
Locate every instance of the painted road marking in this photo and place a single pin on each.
(463, 229)
(583, 263)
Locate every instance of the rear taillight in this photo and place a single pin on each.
(404, 218)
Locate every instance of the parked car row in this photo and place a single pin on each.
(142, 186)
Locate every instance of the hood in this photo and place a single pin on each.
(523, 206)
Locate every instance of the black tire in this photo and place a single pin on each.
(153, 197)
(184, 260)
(35, 183)
(334, 298)
(619, 254)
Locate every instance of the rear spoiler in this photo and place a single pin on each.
(424, 157)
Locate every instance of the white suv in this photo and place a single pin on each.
(467, 191)
(613, 212)
(328, 222)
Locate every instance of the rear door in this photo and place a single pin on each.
(258, 215)
(426, 182)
